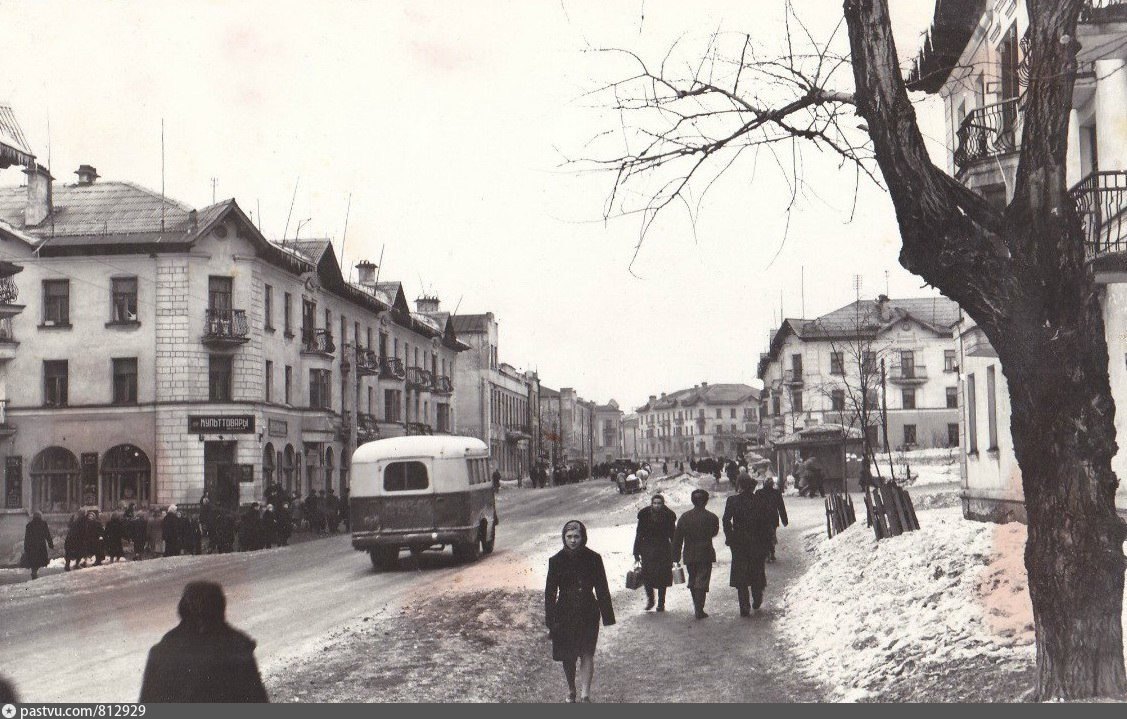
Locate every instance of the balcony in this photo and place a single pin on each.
(988, 132)
(1096, 11)
(419, 428)
(367, 428)
(517, 432)
(6, 428)
(317, 342)
(392, 368)
(9, 293)
(908, 374)
(1100, 200)
(793, 377)
(443, 385)
(225, 329)
(419, 378)
(367, 362)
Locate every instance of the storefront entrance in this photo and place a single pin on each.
(221, 477)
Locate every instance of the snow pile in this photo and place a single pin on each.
(865, 614)
(677, 490)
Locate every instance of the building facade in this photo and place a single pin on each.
(164, 352)
(567, 428)
(631, 436)
(498, 403)
(608, 432)
(980, 77)
(702, 421)
(892, 361)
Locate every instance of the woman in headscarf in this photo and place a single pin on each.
(576, 596)
(653, 547)
(36, 540)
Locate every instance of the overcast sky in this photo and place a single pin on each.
(449, 124)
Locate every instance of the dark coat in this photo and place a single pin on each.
(775, 498)
(170, 533)
(284, 523)
(268, 528)
(747, 530)
(190, 666)
(115, 534)
(36, 539)
(75, 542)
(695, 530)
(653, 543)
(92, 535)
(576, 595)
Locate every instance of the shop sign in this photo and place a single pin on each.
(221, 424)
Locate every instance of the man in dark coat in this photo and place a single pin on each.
(310, 508)
(249, 529)
(203, 659)
(93, 534)
(332, 511)
(653, 547)
(36, 540)
(268, 528)
(284, 521)
(778, 512)
(747, 530)
(223, 531)
(207, 519)
(692, 542)
(74, 541)
(170, 532)
(115, 536)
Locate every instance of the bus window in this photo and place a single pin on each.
(405, 477)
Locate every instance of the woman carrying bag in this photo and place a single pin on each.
(576, 596)
(653, 547)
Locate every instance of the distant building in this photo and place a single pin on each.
(631, 436)
(567, 423)
(608, 432)
(705, 420)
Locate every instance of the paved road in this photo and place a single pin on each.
(84, 636)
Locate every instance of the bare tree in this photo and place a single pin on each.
(1019, 272)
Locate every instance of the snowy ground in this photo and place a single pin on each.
(941, 614)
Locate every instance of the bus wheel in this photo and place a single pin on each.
(385, 558)
(467, 551)
(487, 544)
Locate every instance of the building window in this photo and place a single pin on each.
(732, 413)
(269, 384)
(220, 291)
(287, 315)
(909, 435)
(125, 380)
(391, 405)
(952, 397)
(868, 362)
(776, 405)
(837, 363)
(991, 408)
(320, 388)
(949, 363)
(56, 303)
(219, 378)
(383, 346)
(796, 365)
(908, 398)
(123, 299)
(442, 417)
(55, 383)
(796, 400)
(953, 435)
(837, 400)
(719, 414)
(289, 385)
(268, 307)
(972, 418)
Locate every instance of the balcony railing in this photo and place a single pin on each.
(318, 341)
(908, 373)
(792, 376)
(6, 429)
(392, 368)
(1103, 11)
(367, 362)
(367, 428)
(989, 131)
(9, 293)
(443, 385)
(414, 428)
(419, 378)
(225, 326)
(1101, 199)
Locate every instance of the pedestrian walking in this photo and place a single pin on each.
(36, 541)
(249, 529)
(203, 659)
(692, 543)
(319, 511)
(747, 531)
(207, 520)
(576, 597)
(268, 527)
(115, 536)
(496, 479)
(154, 536)
(284, 523)
(170, 532)
(138, 532)
(332, 511)
(73, 543)
(778, 512)
(653, 547)
(93, 536)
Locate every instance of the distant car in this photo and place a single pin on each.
(628, 483)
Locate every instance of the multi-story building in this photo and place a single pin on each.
(701, 421)
(631, 436)
(567, 426)
(166, 351)
(608, 432)
(976, 63)
(498, 403)
(892, 361)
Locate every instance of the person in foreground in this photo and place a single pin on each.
(747, 531)
(653, 547)
(693, 541)
(576, 596)
(203, 659)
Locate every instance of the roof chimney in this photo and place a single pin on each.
(86, 174)
(427, 304)
(883, 309)
(367, 272)
(653, 397)
(704, 385)
(38, 205)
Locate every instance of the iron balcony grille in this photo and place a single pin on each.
(419, 378)
(792, 376)
(443, 385)
(989, 131)
(418, 428)
(9, 293)
(225, 324)
(907, 373)
(1100, 200)
(367, 362)
(367, 427)
(320, 341)
(392, 368)
(1104, 11)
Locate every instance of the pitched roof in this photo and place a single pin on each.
(732, 393)
(14, 147)
(471, 324)
(312, 249)
(87, 213)
(546, 391)
(938, 313)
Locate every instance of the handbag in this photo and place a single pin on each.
(678, 574)
(634, 577)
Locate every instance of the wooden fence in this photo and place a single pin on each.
(839, 513)
(890, 510)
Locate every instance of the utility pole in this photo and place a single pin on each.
(214, 183)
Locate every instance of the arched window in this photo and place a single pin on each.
(267, 465)
(54, 481)
(126, 478)
(287, 470)
(328, 468)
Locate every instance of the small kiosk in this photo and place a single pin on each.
(837, 449)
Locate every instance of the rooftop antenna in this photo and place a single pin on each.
(214, 182)
(802, 285)
(857, 286)
(344, 235)
(162, 176)
(379, 267)
(886, 283)
(258, 213)
(456, 307)
(293, 199)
